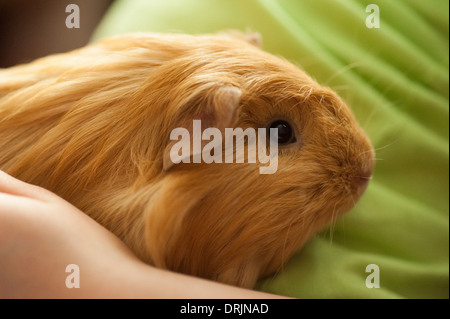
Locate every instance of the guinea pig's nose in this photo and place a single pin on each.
(361, 180)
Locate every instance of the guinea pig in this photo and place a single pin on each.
(93, 126)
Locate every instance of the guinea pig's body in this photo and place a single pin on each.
(93, 126)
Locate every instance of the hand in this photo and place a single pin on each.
(40, 234)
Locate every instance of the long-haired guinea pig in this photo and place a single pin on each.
(94, 125)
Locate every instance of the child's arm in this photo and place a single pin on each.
(40, 234)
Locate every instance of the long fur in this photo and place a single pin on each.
(93, 126)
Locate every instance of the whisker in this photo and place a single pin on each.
(361, 154)
(333, 223)
(364, 177)
(385, 146)
(283, 251)
(343, 70)
(370, 117)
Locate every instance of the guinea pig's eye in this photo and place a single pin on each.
(285, 132)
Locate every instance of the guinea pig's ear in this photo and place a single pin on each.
(221, 111)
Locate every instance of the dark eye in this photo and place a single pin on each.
(285, 132)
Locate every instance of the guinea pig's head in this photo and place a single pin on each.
(226, 221)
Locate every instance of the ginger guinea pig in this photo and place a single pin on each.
(94, 125)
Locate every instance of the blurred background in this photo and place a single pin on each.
(395, 79)
(32, 29)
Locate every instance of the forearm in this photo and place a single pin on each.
(41, 234)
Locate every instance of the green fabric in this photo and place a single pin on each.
(395, 78)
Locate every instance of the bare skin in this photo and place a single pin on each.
(40, 234)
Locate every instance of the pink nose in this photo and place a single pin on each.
(361, 181)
